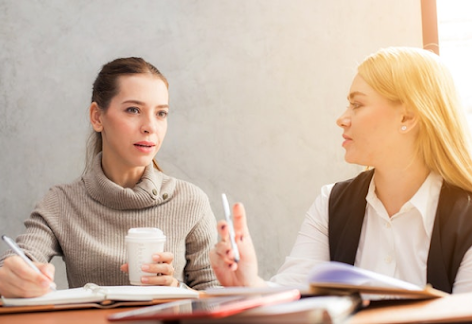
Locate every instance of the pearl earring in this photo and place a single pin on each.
(403, 128)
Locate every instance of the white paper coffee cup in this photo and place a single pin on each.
(141, 244)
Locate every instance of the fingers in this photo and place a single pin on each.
(239, 223)
(239, 220)
(162, 268)
(160, 281)
(24, 272)
(222, 228)
(17, 279)
(228, 272)
(222, 255)
(223, 249)
(47, 269)
(163, 257)
(221, 258)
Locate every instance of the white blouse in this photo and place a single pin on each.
(396, 246)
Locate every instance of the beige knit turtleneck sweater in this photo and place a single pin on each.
(86, 222)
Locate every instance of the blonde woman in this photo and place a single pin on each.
(410, 215)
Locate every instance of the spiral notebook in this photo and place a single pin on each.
(92, 295)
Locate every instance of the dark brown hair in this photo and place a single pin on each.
(106, 86)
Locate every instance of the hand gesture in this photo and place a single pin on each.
(228, 272)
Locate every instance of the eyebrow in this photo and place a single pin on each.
(355, 93)
(137, 102)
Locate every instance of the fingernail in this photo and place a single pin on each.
(144, 267)
(144, 279)
(45, 283)
(156, 257)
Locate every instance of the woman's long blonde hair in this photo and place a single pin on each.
(418, 79)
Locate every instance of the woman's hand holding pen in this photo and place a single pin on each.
(229, 272)
(17, 279)
(162, 268)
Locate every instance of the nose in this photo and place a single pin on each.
(149, 125)
(343, 120)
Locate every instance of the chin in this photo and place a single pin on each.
(143, 162)
(349, 159)
(354, 161)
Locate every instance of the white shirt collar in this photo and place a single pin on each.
(425, 200)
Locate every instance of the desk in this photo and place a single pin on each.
(450, 309)
(81, 316)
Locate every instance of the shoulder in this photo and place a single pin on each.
(321, 201)
(318, 211)
(455, 203)
(353, 187)
(448, 189)
(185, 187)
(187, 192)
(65, 189)
(58, 197)
(193, 204)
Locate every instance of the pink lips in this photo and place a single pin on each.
(347, 140)
(145, 147)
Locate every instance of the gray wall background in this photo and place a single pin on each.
(255, 89)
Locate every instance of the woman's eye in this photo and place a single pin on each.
(354, 105)
(162, 114)
(133, 110)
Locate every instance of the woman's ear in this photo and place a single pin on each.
(409, 119)
(96, 117)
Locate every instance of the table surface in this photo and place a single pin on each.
(454, 308)
(89, 316)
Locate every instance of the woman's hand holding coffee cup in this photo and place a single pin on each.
(161, 269)
(148, 264)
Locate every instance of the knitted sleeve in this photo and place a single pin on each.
(39, 242)
(203, 236)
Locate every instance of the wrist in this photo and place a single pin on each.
(257, 282)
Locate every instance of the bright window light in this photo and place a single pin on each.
(455, 45)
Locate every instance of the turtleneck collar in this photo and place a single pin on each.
(152, 189)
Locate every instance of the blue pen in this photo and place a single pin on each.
(230, 228)
(22, 255)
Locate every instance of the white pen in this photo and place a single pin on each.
(230, 227)
(22, 255)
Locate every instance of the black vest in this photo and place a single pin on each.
(450, 240)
